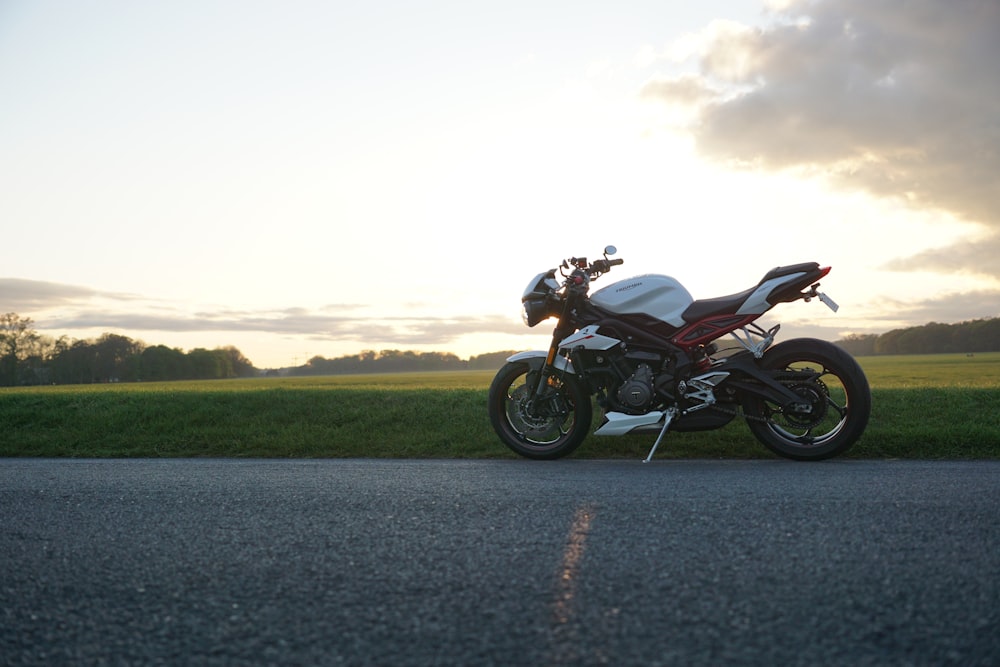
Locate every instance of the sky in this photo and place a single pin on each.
(313, 177)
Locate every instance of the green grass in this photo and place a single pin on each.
(933, 371)
(934, 406)
(245, 419)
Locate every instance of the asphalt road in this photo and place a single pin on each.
(373, 562)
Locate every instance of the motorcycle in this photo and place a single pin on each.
(649, 353)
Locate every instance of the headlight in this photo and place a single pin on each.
(535, 302)
(540, 285)
(534, 311)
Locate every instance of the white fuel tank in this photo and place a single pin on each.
(659, 296)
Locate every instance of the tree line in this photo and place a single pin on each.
(396, 361)
(28, 358)
(965, 337)
(934, 338)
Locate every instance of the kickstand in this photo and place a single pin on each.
(668, 417)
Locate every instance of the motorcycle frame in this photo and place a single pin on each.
(689, 340)
(689, 347)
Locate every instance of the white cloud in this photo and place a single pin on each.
(898, 98)
(58, 309)
(17, 294)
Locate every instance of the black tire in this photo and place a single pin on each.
(841, 402)
(556, 424)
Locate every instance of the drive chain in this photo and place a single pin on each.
(738, 412)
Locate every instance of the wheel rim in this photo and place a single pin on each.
(827, 398)
(543, 424)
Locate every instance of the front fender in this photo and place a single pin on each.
(536, 360)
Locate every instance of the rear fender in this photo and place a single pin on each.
(761, 300)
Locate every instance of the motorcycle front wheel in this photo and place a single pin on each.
(546, 424)
(838, 398)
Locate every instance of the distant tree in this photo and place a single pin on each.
(931, 338)
(888, 343)
(116, 357)
(159, 363)
(392, 361)
(74, 363)
(17, 342)
(859, 345)
(985, 336)
(35, 363)
(29, 358)
(237, 365)
(386, 361)
(204, 364)
(490, 361)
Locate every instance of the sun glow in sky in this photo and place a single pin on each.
(320, 178)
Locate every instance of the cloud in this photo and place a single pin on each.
(981, 256)
(59, 308)
(295, 322)
(953, 307)
(687, 91)
(899, 98)
(17, 294)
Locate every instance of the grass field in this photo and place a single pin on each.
(933, 406)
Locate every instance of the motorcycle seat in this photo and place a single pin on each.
(720, 305)
(723, 305)
(778, 271)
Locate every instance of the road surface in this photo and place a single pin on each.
(386, 562)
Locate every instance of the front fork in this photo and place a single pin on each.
(545, 371)
(559, 333)
(549, 369)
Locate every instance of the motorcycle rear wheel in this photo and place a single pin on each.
(551, 425)
(840, 400)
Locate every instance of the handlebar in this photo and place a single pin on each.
(584, 271)
(603, 265)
